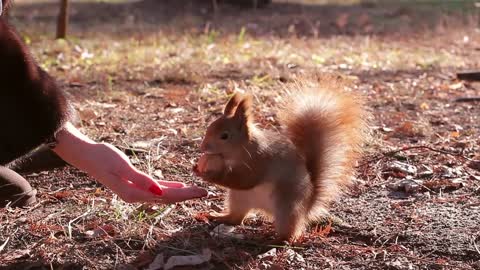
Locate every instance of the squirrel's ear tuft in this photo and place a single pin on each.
(232, 104)
(243, 113)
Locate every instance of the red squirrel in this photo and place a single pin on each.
(291, 175)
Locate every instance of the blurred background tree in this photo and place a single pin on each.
(62, 21)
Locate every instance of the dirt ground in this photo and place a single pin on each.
(150, 75)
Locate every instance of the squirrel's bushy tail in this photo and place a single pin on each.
(327, 125)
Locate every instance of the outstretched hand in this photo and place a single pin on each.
(111, 167)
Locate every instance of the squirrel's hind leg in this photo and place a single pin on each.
(289, 224)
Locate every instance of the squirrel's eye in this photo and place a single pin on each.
(224, 136)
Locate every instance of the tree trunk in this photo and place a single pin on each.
(62, 21)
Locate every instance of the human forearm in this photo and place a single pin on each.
(112, 168)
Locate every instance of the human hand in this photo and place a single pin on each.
(112, 168)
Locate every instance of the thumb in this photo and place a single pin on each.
(172, 195)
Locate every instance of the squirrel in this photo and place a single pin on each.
(290, 175)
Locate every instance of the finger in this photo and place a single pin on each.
(171, 184)
(142, 180)
(172, 195)
(127, 191)
(134, 194)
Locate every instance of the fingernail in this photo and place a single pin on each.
(156, 190)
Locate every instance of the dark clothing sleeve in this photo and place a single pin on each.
(32, 108)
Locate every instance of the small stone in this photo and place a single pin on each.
(268, 255)
(407, 185)
(294, 256)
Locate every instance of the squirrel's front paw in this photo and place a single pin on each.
(225, 218)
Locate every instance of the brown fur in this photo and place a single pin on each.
(32, 107)
(232, 104)
(292, 175)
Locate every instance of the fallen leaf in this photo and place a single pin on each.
(444, 184)
(158, 174)
(455, 86)
(293, 256)
(147, 144)
(448, 172)
(323, 231)
(387, 129)
(191, 260)
(424, 171)
(405, 130)
(105, 230)
(424, 106)
(142, 144)
(222, 231)
(398, 166)
(201, 217)
(62, 194)
(104, 105)
(441, 261)
(268, 255)
(87, 114)
(454, 134)
(407, 185)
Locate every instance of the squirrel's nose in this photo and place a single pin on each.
(204, 146)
